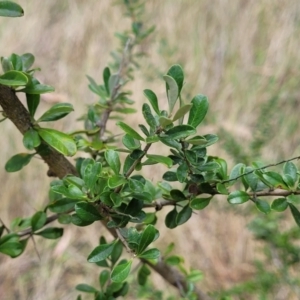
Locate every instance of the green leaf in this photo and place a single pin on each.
(200, 203)
(51, 233)
(64, 219)
(170, 219)
(10, 9)
(27, 61)
(130, 131)
(182, 111)
(221, 188)
(6, 64)
(153, 100)
(13, 78)
(182, 172)
(31, 139)
(164, 121)
(72, 191)
(150, 254)
(106, 76)
(100, 253)
(112, 84)
(121, 271)
(172, 91)
(78, 222)
(198, 110)
(290, 169)
(117, 252)
(131, 143)
(56, 112)
(146, 110)
(177, 195)
(86, 288)
(274, 179)
(63, 205)
(103, 278)
(38, 89)
(180, 131)
(295, 213)
(91, 175)
(195, 275)
(161, 159)
(173, 260)
(12, 249)
(38, 220)
(113, 160)
(279, 204)
(17, 162)
(262, 206)
(147, 237)
(184, 215)
(87, 211)
(177, 74)
(116, 181)
(197, 140)
(143, 274)
(60, 141)
(33, 102)
(238, 197)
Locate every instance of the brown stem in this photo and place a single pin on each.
(13, 109)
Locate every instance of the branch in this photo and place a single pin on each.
(262, 168)
(13, 109)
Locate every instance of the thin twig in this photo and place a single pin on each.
(5, 227)
(262, 168)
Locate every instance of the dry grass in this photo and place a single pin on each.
(239, 53)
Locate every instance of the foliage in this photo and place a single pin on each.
(109, 185)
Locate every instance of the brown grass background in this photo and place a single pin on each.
(239, 53)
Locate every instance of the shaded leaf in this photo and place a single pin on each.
(51, 233)
(87, 211)
(182, 111)
(295, 213)
(279, 204)
(85, 288)
(33, 102)
(31, 139)
(200, 203)
(172, 91)
(152, 99)
(177, 74)
(17, 162)
(147, 237)
(38, 220)
(184, 215)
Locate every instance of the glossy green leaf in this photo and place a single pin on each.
(170, 219)
(113, 160)
(180, 131)
(146, 110)
(172, 91)
(13, 78)
(10, 9)
(279, 204)
(91, 175)
(177, 195)
(161, 159)
(121, 271)
(86, 288)
(184, 215)
(177, 74)
(182, 111)
(147, 237)
(117, 252)
(295, 213)
(150, 254)
(100, 253)
(238, 197)
(16, 61)
(198, 110)
(56, 112)
(87, 211)
(33, 102)
(262, 206)
(60, 141)
(236, 172)
(51, 233)
(152, 99)
(200, 203)
(31, 139)
(38, 89)
(18, 161)
(38, 220)
(130, 131)
(170, 176)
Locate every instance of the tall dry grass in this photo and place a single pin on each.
(239, 53)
